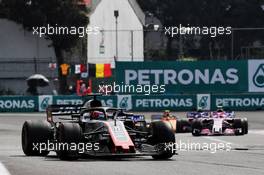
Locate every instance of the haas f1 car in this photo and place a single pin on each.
(110, 131)
(220, 123)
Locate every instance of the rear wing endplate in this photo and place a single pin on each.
(62, 110)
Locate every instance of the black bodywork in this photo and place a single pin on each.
(112, 131)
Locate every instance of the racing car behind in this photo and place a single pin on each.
(178, 125)
(220, 122)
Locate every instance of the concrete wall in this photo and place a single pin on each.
(103, 17)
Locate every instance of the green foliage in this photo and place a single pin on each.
(234, 13)
(37, 13)
(237, 13)
(6, 91)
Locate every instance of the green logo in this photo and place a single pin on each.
(124, 102)
(45, 103)
(203, 102)
(258, 78)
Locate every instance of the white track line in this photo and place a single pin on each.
(3, 170)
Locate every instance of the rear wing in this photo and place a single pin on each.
(130, 116)
(195, 114)
(63, 110)
(230, 114)
(156, 117)
(139, 118)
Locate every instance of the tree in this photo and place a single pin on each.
(224, 13)
(38, 13)
(173, 13)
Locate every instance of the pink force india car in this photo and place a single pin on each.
(219, 123)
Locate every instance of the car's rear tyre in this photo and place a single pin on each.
(178, 126)
(182, 125)
(196, 128)
(238, 124)
(33, 134)
(162, 136)
(68, 133)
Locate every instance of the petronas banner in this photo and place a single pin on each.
(195, 76)
(256, 75)
(18, 104)
(157, 102)
(141, 103)
(239, 102)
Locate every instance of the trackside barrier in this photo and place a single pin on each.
(18, 104)
(148, 103)
(141, 103)
(246, 102)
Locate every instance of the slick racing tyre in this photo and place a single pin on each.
(178, 126)
(239, 127)
(245, 125)
(162, 135)
(33, 134)
(68, 134)
(182, 125)
(196, 127)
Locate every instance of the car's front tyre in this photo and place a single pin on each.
(196, 128)
(68, 134)
(239, 127)
(163, 137)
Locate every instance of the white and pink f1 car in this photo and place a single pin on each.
(220, 122)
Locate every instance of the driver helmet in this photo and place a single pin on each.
(97, 115)
(220, 109)
(166, 113)
(199, 109)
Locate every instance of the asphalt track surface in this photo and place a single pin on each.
(245, 157)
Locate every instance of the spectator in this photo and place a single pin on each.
(84, 90)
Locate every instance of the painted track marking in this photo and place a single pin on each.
(3, 170)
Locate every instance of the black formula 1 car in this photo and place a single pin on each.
(93, 130)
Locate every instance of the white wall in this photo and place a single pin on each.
(103, 17)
